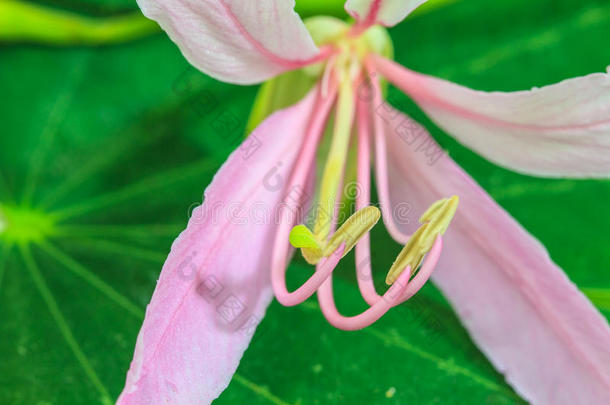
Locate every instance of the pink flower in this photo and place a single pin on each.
(523, 312)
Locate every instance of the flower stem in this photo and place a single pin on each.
(21, 21)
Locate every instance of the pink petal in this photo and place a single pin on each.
(533, 324)
(235, 41)
(384, 12)
(215, 285)
(557, 130)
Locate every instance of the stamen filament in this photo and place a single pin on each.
(335, 162)
(366, 318)
(381, 164)
(323, 271)
(364, 274)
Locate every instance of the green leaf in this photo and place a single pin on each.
(104, 151)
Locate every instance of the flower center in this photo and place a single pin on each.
(355, 124)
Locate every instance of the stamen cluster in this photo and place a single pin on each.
(355, 124)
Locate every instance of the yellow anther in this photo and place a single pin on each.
(353, 229)
(439, 215)
(411, 255)
(435, 221)
(349, 233)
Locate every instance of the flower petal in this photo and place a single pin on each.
(215, 285)
(533, 324)
(235, 41)
(557, 130)
(384, 12)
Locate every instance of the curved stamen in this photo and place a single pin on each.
(297, 181)
(363, 250)
(363, 261)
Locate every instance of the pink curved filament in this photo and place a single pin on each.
(368, 317)
(323, 270)
(381, 164)
(298, 178)
(399, 292)
(363, 247)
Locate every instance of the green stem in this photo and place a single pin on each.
(29, 22)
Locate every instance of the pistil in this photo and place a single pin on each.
(337, 154)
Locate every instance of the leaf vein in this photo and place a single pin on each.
(96, 282)
(60, 321)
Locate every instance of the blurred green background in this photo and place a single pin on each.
(107, 143)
